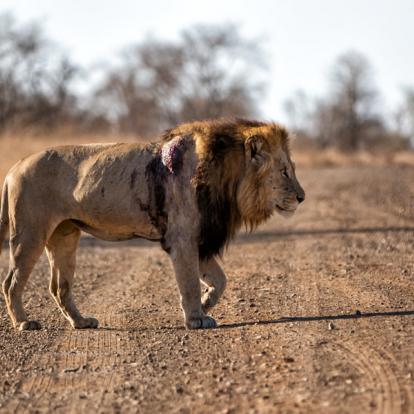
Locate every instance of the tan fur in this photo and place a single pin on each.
(192, 191)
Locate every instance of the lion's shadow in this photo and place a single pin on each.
(289, 319)
(282, 320)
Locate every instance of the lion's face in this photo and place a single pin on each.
(281, 185)
(270, 183)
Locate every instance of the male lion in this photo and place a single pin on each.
(191, 191)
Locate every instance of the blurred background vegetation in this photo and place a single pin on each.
(207, 72)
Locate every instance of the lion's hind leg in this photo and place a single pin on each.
(61, 251)
(213, 276)
(24, 253)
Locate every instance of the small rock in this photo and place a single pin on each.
(73, 369)
(179, 389)
(288, 359)
(331, 326)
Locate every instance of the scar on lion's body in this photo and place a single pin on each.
(173, 153)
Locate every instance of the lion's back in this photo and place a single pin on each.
(73, 172)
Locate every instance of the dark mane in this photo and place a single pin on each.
(216, 191)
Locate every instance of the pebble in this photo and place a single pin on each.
(72, 369)
(179, 389)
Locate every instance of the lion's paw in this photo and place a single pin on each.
(86, 323)
(204, 322)
(29, 326)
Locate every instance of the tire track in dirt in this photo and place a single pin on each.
(386, 391)
(390, 395)
(394, 395)
(407, 388)
(381, 391)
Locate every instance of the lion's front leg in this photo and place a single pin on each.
(213, 276)
(184, 256)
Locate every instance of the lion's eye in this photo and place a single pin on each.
(285, 173)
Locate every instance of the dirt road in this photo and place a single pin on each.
(318, 317)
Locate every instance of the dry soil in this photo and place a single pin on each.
(318, 317)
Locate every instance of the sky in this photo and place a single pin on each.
(302, 37)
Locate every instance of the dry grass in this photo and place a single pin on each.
(334, 158)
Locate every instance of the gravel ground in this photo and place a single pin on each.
(317, 317)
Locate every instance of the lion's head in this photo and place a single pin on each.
(244, 175)
(269, 183)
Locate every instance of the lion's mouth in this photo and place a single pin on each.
(285, 211)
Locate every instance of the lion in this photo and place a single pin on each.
(191, 191)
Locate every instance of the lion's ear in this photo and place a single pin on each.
(255, 147)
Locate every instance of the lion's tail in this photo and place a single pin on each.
(4, 214)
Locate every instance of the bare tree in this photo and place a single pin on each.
(219, 72)
(298, 110)
(34, 79)
(143, 93)
(404, 116)
(347, 118)
(208, 73)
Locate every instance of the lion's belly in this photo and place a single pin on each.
(115, 233)
(116, 218)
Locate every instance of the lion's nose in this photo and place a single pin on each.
(300, 198)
